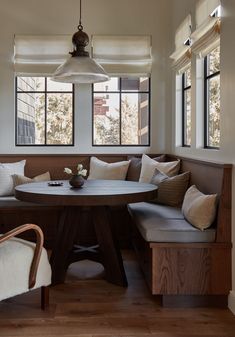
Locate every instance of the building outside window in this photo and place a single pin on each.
(186, 108)
(212, 99)
(121, 112)
(44, 112)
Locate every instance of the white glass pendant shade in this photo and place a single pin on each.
(80, 69)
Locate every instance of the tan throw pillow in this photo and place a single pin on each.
(149, 165)
(199, 209)
(171, 190)
(19, 179)
(110, 171)
(133, 173)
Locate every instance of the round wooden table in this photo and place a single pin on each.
(99, 195)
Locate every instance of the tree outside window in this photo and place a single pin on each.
(121, 112)
(44, 112)
(186, 108)
(212, 99)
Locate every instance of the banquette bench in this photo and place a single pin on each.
(184, 265)
(184, 269)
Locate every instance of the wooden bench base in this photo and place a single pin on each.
(185, 274)
(194, 301)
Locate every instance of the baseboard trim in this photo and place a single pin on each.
(231, 301)
(194, 301)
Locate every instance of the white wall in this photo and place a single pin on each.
(226, 153)
(99, 17)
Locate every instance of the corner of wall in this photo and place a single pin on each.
(231, 301)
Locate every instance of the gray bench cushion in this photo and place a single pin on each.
(145, 209)
(155, 227)
(8, 202)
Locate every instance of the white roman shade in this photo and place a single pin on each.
(206, 37)
(204, 8)
(182, 54)
(123, 55)
(40, 55)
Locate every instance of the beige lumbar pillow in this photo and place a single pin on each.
(19, 179)
(149, 165)
(199, 209)
(171, 190)
(110, 171)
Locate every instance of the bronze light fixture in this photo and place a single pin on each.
(80, 68)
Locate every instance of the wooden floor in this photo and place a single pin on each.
(93, 307)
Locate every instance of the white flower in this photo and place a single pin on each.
(83, 172)
(79, 167)
(68, 170)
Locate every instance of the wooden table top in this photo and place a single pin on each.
(93, 193)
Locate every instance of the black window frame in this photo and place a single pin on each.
(185, 88)
(120, 92)
(45, 92)
(207, 78)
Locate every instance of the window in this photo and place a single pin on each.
(212, 99)
(186, 108)
(121, 112)
(44, 112)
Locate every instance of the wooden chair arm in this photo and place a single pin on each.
(38, 249)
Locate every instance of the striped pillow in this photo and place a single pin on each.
(171, 190)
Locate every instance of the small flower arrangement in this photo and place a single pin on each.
(80, 171)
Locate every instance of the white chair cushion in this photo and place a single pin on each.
(15, 261)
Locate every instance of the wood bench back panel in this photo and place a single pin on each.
(212, 178)
(55, 164)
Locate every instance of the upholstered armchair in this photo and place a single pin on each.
(24, 265)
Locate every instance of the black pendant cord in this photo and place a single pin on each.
(80, 39)
(80, 17)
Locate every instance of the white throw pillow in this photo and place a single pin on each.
(149, 165)
(6, 180)
(198, 208)
(110, 171)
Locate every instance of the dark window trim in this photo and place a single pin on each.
(206, 81)
(120, 97)
(184, 90)
(45, 92)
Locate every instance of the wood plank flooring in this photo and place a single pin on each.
(91, 307)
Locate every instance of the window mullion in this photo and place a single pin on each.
(120, 111)
(45, 128)
(206, 131)
(183, 110)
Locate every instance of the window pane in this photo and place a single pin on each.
(135, 84)
(214, 111)
(187, 118)
(111, 85)
(134, 112)
(40, 119)
(187, 78)
(214, 61)
(59, 119)
(58, 86)
(30, 84)
(106, 119)
(30, 118)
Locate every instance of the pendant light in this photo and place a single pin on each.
(80, 68)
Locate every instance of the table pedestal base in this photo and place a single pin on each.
(106, 252)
